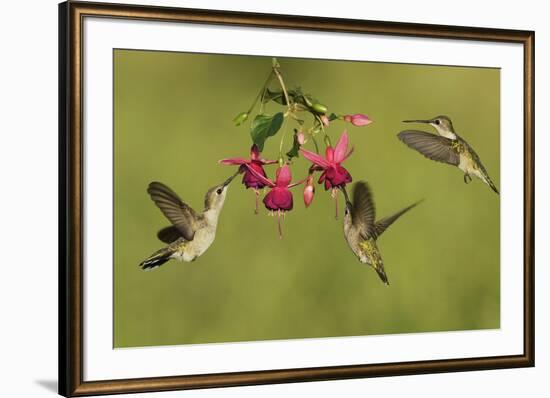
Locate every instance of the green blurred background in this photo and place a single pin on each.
(173, 122)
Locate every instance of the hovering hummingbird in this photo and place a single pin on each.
(361, 230)
(191, 233)
(447, 147)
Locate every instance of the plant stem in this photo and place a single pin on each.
(289, 108)
(262, 91)
(315, 143)
(327, 138)
(282, 83)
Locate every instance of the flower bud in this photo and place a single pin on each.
(319, 108)
(240, 118)
(358, 119)
(309, 191)
(301, 138)
(325, 120)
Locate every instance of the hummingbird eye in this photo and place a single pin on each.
(437, 122)
(219, 191)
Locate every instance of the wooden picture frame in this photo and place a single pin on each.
(71, 206)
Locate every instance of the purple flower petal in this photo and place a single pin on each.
(278, 198)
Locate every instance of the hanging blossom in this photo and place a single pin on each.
(358, 119)
(279, 198)
(325, 120)
(255, 163)
(333, 175)
(309, 191)
(301, 138)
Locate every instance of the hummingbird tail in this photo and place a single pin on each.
(157, 259)
(382, 274)
(484, 176)
(492, 185)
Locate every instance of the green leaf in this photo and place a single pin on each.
(332, 117)
(295, 95)
(264, 126)
(295, 150)
(240, 118)
(276, 96)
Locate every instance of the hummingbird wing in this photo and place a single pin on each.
(181, 215)
(384, 223)
(434, 147)
(363, 212)
(169, 234)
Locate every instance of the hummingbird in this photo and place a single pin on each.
(362, 231)
(191, 233)
(447, 147)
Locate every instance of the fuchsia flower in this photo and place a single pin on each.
(358, 119)
(309, 191)
(334, 175)
(255, 163)
(279, 198)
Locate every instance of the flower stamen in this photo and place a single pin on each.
(257, 208)
(335, 202)
(279, 224)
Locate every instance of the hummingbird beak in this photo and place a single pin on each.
(348, 203)
(228, 181)
(417, 121)
(348, 206)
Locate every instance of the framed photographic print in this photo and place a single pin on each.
(396, 163)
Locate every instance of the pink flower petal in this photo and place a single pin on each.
(260, 177)
(329, 154)
(283, 176)
(233, 161)
(360, 120)
(317, 159)
(341, 148)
